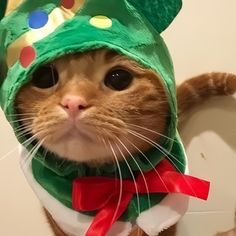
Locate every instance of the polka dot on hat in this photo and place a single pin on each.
(38, 19)
(27, 56)
(102, 22)
(68, 4)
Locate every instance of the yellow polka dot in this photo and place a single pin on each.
(101, 22)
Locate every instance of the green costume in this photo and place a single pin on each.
(40, 31)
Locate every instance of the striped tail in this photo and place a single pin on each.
(198, 89)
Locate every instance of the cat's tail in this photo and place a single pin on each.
(196, 90)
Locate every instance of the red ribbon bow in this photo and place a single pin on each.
(102, 194)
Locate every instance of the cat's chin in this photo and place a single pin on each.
(88, 147)
(80, 154)
(80, 149)
(93, 152)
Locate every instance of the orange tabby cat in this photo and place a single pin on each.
(101, 97)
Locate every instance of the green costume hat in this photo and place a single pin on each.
(40, 31)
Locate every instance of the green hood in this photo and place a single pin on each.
(40, 31)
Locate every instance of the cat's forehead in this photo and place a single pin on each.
(93, 60)
(105, 55)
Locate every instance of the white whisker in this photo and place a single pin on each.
(165, 153)
(158, 146)
(45, 155)
(28, 132)
(31, 154)
(131, 172)
(152, 131)
(146, 158)
(29, 141)
(58, 165)
(121, 184)
(21, 114)
(106, 146)
(141, 172)
(22, 127)
(20, 120)
(23, 131)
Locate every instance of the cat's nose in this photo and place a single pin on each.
(73, 105)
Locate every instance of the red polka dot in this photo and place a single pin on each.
(27, 56)
(68, 4)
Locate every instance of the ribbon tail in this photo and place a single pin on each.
(106, 217)
(178, 183)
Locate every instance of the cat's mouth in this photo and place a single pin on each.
(78, 145)
(75, 133)
(80, 141)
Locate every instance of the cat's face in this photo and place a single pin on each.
(83, 106)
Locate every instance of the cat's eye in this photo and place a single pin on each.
(118, 79)
(45, 77)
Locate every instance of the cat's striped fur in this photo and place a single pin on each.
(198, 89)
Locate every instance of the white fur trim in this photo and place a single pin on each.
(71, 222)
(167, 213)
(162, 216)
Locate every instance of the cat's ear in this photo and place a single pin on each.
(159, 12)
(3, 8)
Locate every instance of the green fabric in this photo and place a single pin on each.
(60, 184)
(159, 12)
(20, 18)
(3, 67)
(135, 33)
(3, 6)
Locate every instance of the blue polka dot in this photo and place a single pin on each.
(38, 19)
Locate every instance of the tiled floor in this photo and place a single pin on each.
(201, 39)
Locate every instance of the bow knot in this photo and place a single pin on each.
(110, 197)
